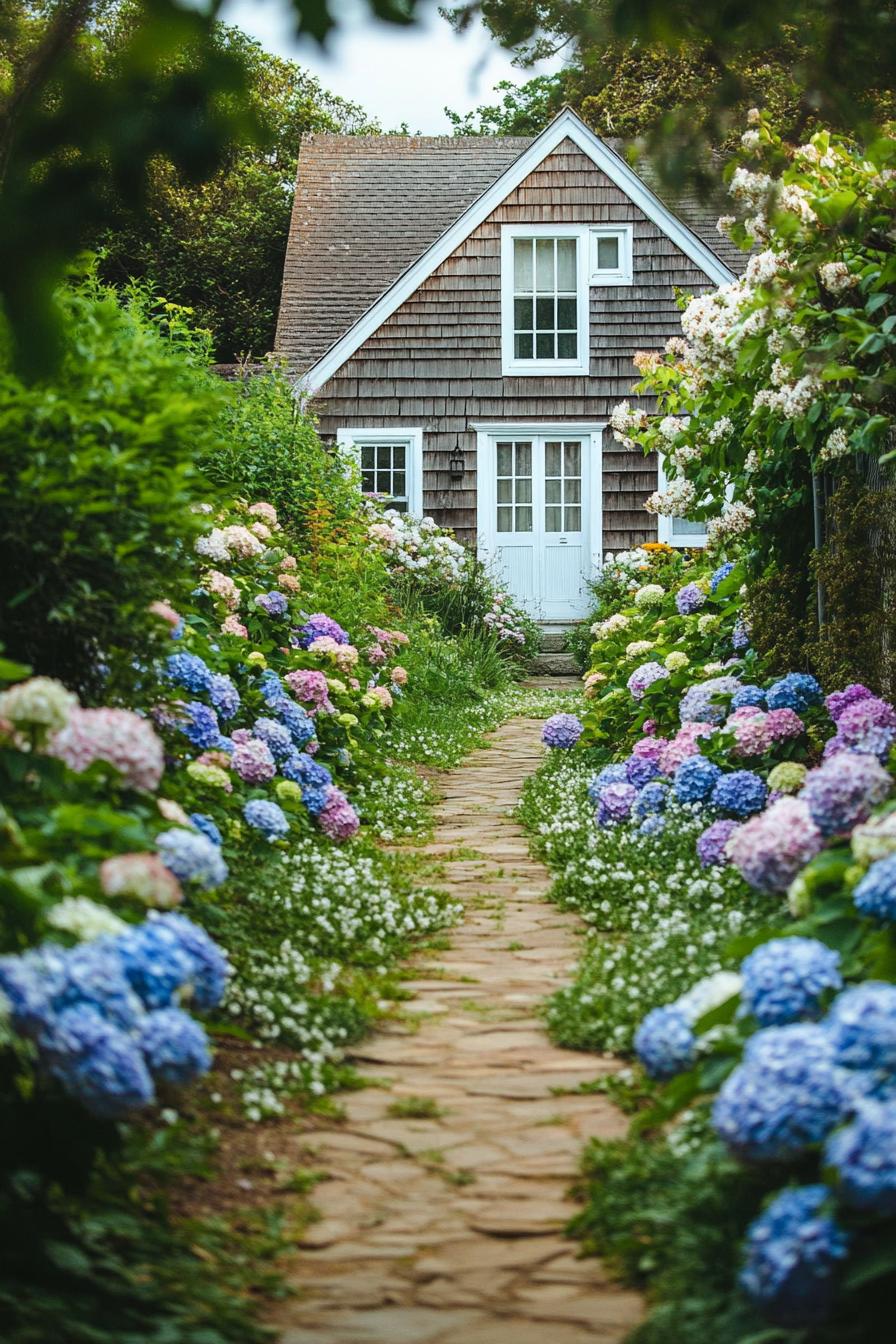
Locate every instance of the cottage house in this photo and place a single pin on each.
(465, 312)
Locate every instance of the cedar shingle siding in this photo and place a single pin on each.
(436, 361)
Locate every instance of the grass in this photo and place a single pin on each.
(415, 1108)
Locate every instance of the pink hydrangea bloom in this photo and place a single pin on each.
(143, 876)
(234, 627)
(240, 541)
(683, 745)
(338, 820)
(771, 848)
(344, 655)
(253, 761)
(399, 676)
(741, 715)
(222, 586)
(751, 736)
(289, 582)
(219, 758)
(173, 812)
(376, 655)
(165, 612)
(288, 562)
(310, 686)
(260, 530)
(384, 695)
(783, 724)
(265, 511)
(118, 736)
(650, 748)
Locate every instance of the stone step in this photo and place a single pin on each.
(554, 665)
(553, 641)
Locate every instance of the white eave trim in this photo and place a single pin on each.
(565, 126)
(539, 427)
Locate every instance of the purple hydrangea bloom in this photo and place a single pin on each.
(838, 701)
(665, 1043)
(315, 781)
(712, 844)
(862, 1026)
(695, 779)
(689, 599)
(224, 695)
(721, 574)
(867, 726)
(842, 791)
(792, 1254)
(748, 696)
(640, 771)
(277, 737)
(200, 725)
(207, 828)
(741, 792)
(875, 895)
(273, 603)
(188, 670)
(269, 818)
(652, 799)
(864, 1157)
(616, 803)
(192, 857)
(786, 1095)
(174, 1046)
(562, 731)
(645, 676)
(771, 848)
(699, 702)
(253, 761)
(797, 691)
(617, 773)
(319, 626)
(787, 979)
(740, 635)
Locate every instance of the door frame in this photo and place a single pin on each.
(592, 520)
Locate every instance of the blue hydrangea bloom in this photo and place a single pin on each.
(274, 603)
(665, 1043)
(225, 743)
(875, 895)
(200, 725)
(269, 818)
(155, 962)
(110, 1078)
(293, 717)
(640, 771)
(792, 1253)
(561, 731)
(862, 1026)
(695, 779)
(29, 983)
(174, 1046)
(786, 980)
(617, 773)
(190, 671)
(652, 799)
(276, 735)
(654, 824)
(748, 695)
(785, 1096)
(699, 702)
(318, 626)
(192, 857)
(721, 574)
(224, 695)
(739, 793)
(740, 635)
(271, 687)
(209, 967)
(93, 974)
(796, 691)
(315, 780)
(207, 827)
(863, 1155)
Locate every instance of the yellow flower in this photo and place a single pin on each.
(257, 659)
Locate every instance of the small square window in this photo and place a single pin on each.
(611, 255)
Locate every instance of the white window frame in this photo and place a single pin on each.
(623, 273)
(350, 440)
(538, 368)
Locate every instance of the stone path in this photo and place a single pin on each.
(443, 1219)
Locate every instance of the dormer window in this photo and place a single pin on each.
(544, 299)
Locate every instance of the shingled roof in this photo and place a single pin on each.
(366, 207)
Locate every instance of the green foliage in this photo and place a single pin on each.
(97, 476)
(218, 246)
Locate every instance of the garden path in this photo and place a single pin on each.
(447, 1228)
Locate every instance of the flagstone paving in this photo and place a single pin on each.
(446, 1227)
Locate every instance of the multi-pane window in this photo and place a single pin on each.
(384, 471)
(545, 298)
(562, 486)
(514, 486)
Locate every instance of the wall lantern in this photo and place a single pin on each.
(456, 462)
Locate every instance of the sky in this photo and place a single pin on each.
(396, 74)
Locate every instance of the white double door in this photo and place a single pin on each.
(537, 517)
